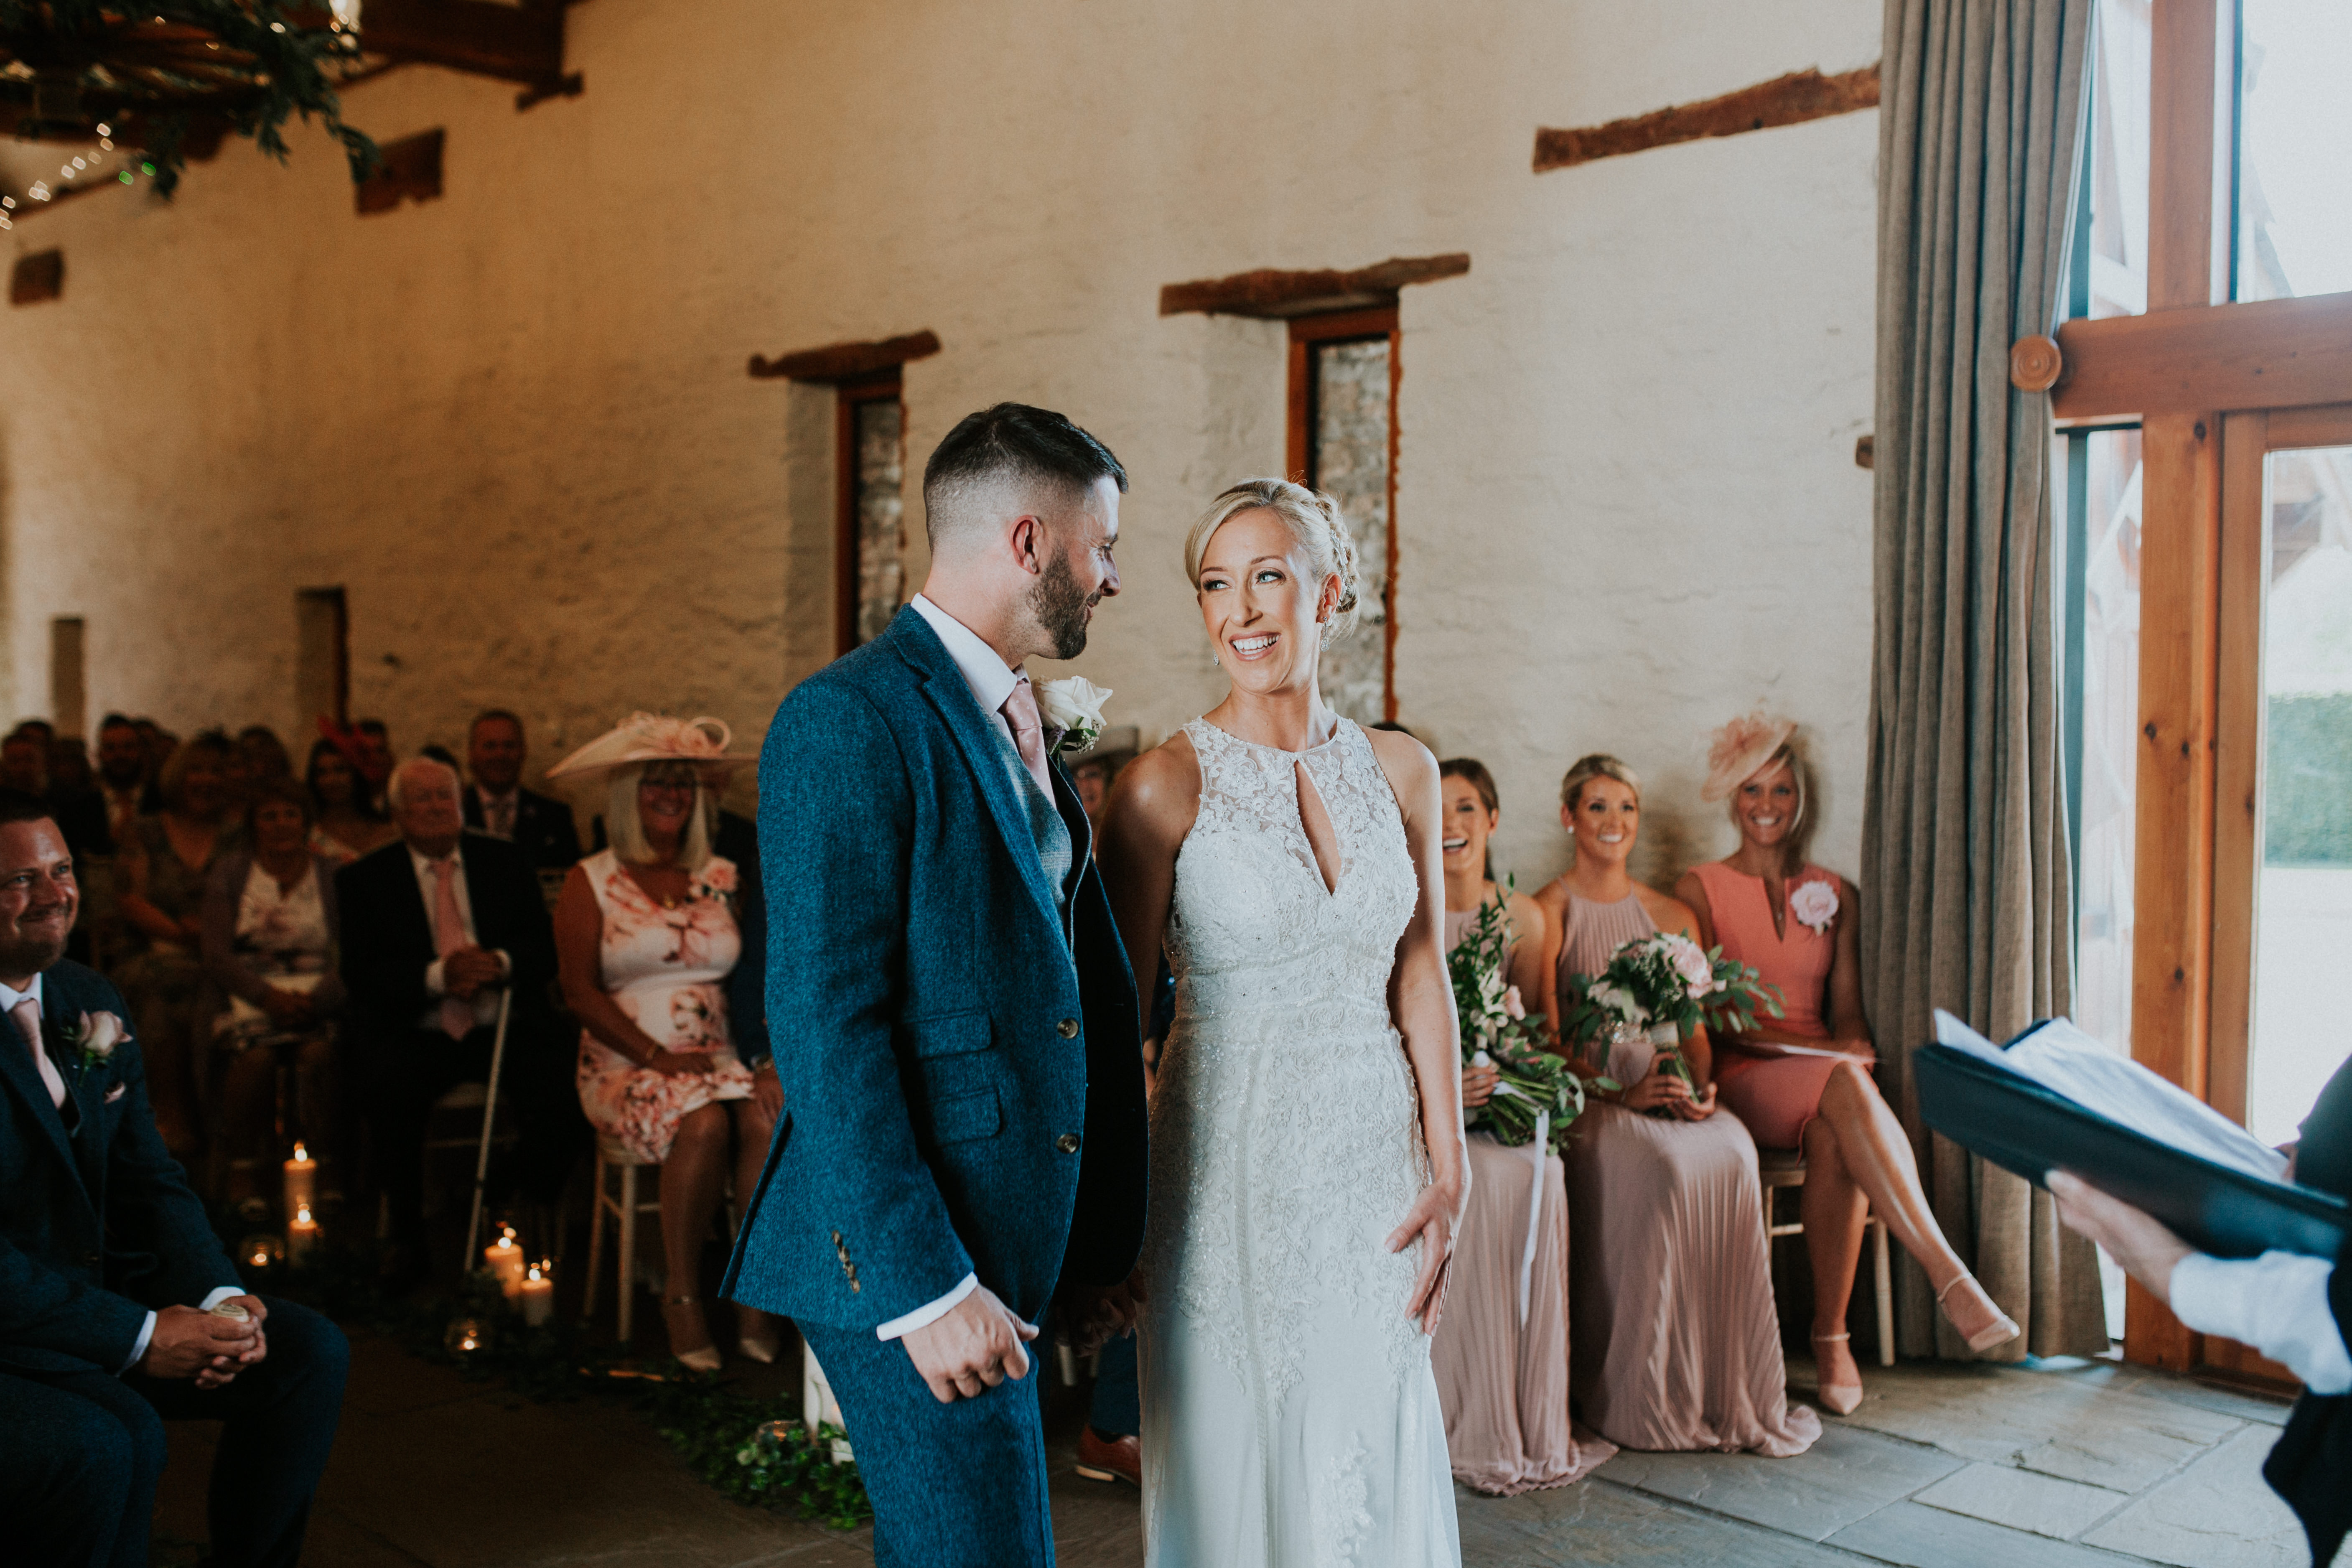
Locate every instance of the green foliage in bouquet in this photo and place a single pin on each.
(1532, 1080)
(1667, 978)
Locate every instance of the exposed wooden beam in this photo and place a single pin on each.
(1272, 293)
(523, 43)
(2191, 59)
(837, 362)
(1784, 101)
(2265, 353)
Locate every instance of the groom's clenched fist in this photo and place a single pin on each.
(975, 1346)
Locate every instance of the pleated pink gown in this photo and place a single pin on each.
(1502, 1380)
(1673, 1343)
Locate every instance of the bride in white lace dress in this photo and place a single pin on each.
(1306, 1158)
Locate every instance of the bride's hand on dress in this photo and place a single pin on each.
(1431, 1221)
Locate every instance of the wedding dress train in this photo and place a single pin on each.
(1290, 1417)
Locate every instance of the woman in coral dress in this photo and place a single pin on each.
(1803, 1080)
(1673, 1343)
(1500, 1354)
(646, 935)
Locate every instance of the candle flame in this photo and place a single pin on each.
(534, 1271)
(302, 1213)
(299, 1155)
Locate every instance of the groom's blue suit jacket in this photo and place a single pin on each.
(964, 1083)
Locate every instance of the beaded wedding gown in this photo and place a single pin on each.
(1290, 1417)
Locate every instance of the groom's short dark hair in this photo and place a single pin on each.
(1011, 441)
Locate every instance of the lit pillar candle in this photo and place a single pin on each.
(505, 1260)
(301, 1181)
(537, 1293)
(301, 1236)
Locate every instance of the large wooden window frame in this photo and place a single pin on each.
(2217, 387)
(1307, 334)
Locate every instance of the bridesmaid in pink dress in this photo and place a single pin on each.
(1673, 1343)
(1793, 921)
(1502, 1372)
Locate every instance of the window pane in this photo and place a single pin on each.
(2109, 533)
(1351, 466)
(2302, 906)
(881, 517)
(2294, 148)
(2118, 262)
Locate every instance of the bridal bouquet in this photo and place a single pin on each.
(1536, 1088)
(1663, 985)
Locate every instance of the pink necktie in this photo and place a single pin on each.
(1019, 711)
(448, 936)
(27, 1015)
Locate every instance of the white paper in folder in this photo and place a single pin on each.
(2064, 1059)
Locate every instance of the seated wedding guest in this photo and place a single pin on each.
(647, 937)
(74, 796)
(344, 826)
(1672, 1342)
(25, 763)
(121, 774)
(497, 805)
(371, 756)
(2293, 1309)
(261, 755)
(1795, 924)
(160, 870)
(1501, 1358)
(1092, 775)
(156, 745)
(270, 951)
(115, 1295)
(436, 928)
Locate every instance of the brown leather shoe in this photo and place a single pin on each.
(1104, 1458)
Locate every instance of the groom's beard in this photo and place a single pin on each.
(1059, 608)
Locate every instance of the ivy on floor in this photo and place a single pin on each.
(753, 1450)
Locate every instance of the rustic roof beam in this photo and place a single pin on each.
(1272, 293)
(837, 362)
(513, 42)
(1784, 101)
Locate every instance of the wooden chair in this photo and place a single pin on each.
(620, 1199)
(1785, 1168)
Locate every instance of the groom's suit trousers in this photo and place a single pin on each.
(960, 1485)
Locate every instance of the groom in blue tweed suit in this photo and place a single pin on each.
(954, 1019)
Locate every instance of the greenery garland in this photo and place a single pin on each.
(152, 72)
(753, 1450)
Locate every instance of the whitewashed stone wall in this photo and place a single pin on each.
(514, 422)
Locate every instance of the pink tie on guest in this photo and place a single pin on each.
(1020, 711)
(448, 936)
(27, 1013)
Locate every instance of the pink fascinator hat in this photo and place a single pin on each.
(651, 738)
(1739, 748)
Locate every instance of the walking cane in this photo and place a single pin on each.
(489, 1120)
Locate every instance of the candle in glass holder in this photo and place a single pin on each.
(536, 1294)
(504, 1258)
(301, 1180)
(301, 1236)
(261, 1252)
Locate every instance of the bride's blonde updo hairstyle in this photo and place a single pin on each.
(1315, 525)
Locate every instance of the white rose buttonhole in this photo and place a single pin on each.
(1075, 706)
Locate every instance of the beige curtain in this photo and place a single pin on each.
(1966, 887)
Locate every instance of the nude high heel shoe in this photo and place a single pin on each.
(1837, 1398)
(755, 1336)
(1999, 1331)
(705, 1359)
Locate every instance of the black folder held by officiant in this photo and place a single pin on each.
(2055, 1099)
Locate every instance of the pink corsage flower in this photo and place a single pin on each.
(1815, 904)
(719, 876)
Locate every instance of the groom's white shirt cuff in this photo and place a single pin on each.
(213, 1297)
(924, 1317)
(982, 667)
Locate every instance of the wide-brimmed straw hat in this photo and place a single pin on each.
(651, 738)
(1735, 752)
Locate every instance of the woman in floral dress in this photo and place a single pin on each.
(646, 936)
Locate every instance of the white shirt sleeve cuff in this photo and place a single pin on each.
(139, 1346)
(432, 987)
(218, 1294)
(924, 1317)
(2278, 1303)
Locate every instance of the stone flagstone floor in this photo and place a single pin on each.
(2061, 1465)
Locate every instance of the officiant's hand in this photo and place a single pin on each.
(2138, 1241)
(974, 1347)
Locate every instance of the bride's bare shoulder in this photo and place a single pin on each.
(1159, 794)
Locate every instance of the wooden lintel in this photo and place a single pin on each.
(1274, 293)
(514, 43)
(846, 362)
(2265, 353)
(1784, 101)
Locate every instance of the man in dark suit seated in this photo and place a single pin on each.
(436, 926)
(497, 805)
(110, 1277)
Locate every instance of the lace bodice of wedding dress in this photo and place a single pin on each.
(1290, 1414)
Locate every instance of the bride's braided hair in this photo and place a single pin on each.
(1314, 521)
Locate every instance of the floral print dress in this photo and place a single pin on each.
(666, 967)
